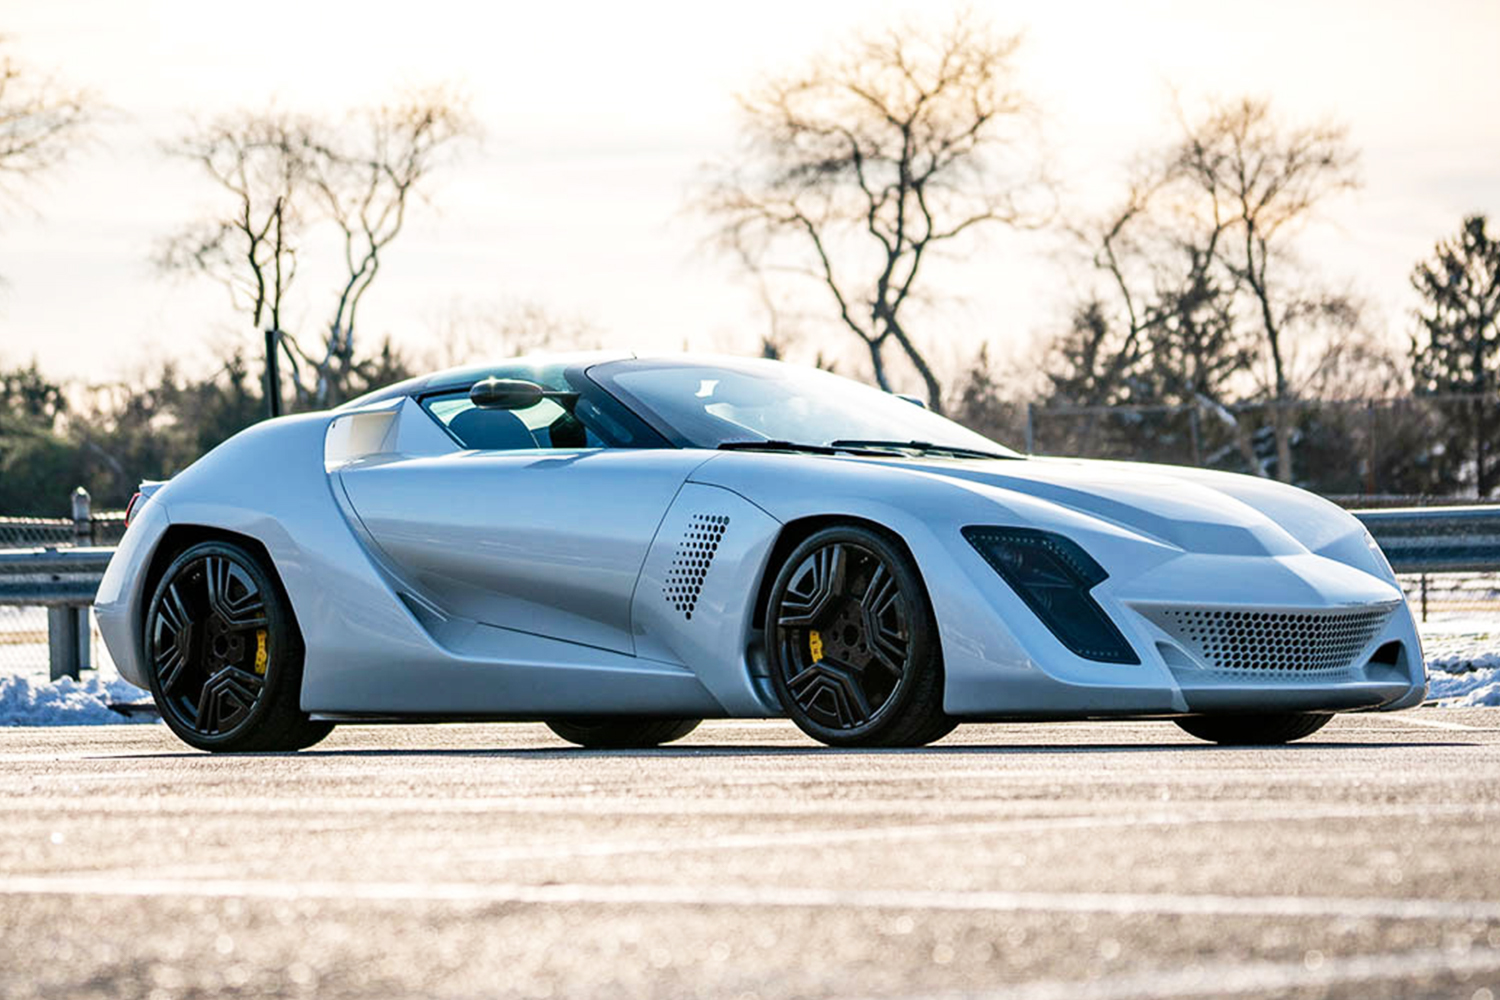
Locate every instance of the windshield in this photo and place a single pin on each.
(707, 405)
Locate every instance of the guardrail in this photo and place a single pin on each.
(64, 581)
(1437, 539)
(1416, 540)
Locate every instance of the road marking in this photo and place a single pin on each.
(1230, 978)
(917, 831)
(564, 894)
(1434, 724)
(1045, 813)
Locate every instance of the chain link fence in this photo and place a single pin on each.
(24, 630)
(1433, 447)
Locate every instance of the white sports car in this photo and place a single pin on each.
(622, 546)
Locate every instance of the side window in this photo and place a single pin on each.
(548, 424)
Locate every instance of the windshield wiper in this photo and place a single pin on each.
(811, 449)
(926, 447)
(816, 449)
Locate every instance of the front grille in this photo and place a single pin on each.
(1290, 641)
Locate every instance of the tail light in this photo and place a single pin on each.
(135, 502)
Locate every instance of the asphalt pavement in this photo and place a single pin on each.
(1069, 861)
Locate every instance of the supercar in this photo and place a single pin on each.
(623, 546)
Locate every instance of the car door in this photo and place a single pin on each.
(542, 530)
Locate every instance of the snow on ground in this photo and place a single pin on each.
(29, 698)
(66, 702)
(1463, 660)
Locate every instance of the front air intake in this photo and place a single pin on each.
(691, 560)
(1297, 642)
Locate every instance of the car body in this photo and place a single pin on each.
(439, 571)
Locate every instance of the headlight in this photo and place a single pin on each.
(1380, 557)
(1053, 575)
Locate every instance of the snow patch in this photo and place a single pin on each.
(1463, 662)
(1467, 690)
(66, 702)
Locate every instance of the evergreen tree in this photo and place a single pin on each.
(1457, 349)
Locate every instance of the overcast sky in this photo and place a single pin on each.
(599, 114)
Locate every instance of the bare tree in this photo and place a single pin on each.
(41, 121)
(858, 171)
(1198, 287)
(364, 186)
(286, 174)
(251, 246)
(1266, 179)
(466, 332)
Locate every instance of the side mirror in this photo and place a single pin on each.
(505, 394)
(913, 400)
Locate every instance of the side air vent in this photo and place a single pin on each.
(691, 561)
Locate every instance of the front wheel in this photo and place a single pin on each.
(852, 643)
(223, 654)
(622, 734)
(1254, 730)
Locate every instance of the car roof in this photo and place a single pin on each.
(464, 376)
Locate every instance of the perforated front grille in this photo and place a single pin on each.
(691, 561)
(1291, 641)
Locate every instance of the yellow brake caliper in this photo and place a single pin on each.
(260, 651)
(815, 644)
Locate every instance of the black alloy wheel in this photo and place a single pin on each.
(224, 656)
(853, 645)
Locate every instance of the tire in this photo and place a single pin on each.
(853, 645)
(224, 656)
(1254, 730)
(622, 734)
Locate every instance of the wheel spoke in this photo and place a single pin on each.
(829, 688)
(229, 694)
(169, 667)
(815, 588)
(242, 609)
(172, 613)
(888, 648)
(881, 613)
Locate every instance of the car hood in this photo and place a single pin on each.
(1195, 510)
(1216, 513)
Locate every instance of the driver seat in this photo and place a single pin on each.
(491, 430)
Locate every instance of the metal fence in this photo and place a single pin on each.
(49, 569)
(1446, 558)
(1416, 446)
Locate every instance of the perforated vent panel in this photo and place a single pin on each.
(691, 561)
(1286, 641)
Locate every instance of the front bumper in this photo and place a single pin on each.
(1002, 663)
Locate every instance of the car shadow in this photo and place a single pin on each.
(770, 750)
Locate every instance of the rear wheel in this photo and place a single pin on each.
(622, 734)
(223, 654)
(853, 645)
(1254, 730)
